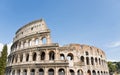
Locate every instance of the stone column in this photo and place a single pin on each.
(89, 61)
(67, 71)
(18, 58)
(11, 72)
(48, 39)
(56, 71)
(16, 72)
(21, 44)
(45, 71)
(56, 55)
(28, 71)
(84, 60)
(46, 55)
(27, 43)
(21, 71)
(30, 56)
(38, 56)
(33, 41)
(36, 71)
(24, 57)
(40, 41)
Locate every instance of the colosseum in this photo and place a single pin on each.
(33, 53)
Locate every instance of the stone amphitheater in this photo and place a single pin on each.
(33, 53)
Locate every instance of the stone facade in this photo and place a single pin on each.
(33, 53)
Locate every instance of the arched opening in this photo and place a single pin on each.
(96, 61)
(50, 72)
(36, 41)
(32, 72)
(9, 72)
(24, 44)
(70, 56)
(92, 61)
(44, 40)
(98, 73)
(79, 72)
(12, 58)
(82, 59)
(61, 72)
(101, 73)
(72, 72)
(43, 56)
(24, 72)
(104, 73)
(88, 72)
(51, 55)
(13, 73)
(94, 73)
(18, 72)
(99, 61)
(21, 57)
(16, 57)
(86, 53)
(27, 57)
(87, 60)
(62, 57)
(41, 72)
(30, 43)
(34, 56)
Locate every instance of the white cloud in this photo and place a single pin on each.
(8, 45)
(114, 44)
(1, 46)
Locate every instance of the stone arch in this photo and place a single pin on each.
(79, 72)
(36, 41)
(44, 40)
(50, 72)
(101, 73)
(87, 60)
(93, 72)
(13, 73)
(21, 57)
(13, 58)
(16, 58)
(99, 61)
(98, 73)
(42, 56)
(51, 55)
(96, 61)
(62, 57)
(29, 42)
(86, 53)
(18, 72)
(41, 71)
(72, 72)
(34, 56)
(70, 56)
(27, 57)
(82, 58)
(88, 72)
(32, 72)
(24, 44)
(24, 72)
(61, 72)
(92, 60)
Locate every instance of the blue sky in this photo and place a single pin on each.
(91, 22)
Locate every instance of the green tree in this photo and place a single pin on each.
(3, 60)
(112, 67)
(118, 67)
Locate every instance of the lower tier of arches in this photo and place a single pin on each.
(53, 71)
